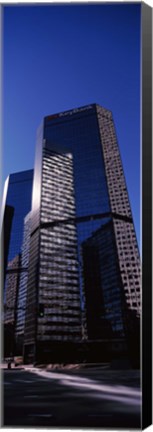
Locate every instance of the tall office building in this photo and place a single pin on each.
(79, 188)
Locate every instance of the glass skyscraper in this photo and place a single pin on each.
(80, 207)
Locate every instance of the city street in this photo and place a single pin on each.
(75, 398)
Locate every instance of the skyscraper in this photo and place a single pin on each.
(79, 188)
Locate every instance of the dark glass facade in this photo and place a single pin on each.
(79, 134)
(103, 285)
(19, 194)
(80, 217)
(7, 225)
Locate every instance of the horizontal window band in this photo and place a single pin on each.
(16, 270)
(80, 219)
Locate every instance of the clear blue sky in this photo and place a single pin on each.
(60, 57)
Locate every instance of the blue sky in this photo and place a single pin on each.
(59, 57)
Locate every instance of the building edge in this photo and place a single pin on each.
(146, 335)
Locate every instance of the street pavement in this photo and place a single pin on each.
(74, 398)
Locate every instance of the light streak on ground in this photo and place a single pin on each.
(117, 393)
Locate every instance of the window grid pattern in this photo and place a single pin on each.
(128, 253)
(58, 265)
(129, 262)
(22, 295)
(12, 284)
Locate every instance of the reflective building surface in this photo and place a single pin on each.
(18, 193)
(84, 267)
(103, 286)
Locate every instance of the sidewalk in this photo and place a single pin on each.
(53, 367)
